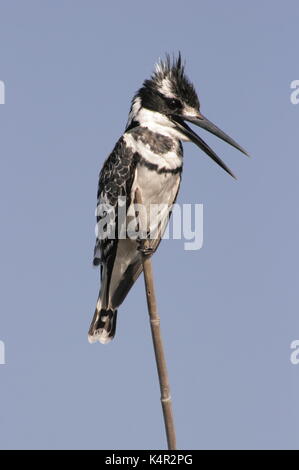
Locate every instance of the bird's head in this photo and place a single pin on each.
(167, 100)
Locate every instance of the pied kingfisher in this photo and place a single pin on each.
(149, 155)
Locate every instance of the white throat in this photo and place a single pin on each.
(154, 121)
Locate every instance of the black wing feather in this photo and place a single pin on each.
(115, 180)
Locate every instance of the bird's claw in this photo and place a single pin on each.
(146, 251)
(143, 247)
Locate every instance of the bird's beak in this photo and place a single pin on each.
(203, 122)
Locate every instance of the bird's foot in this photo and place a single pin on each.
(146, 251)
(144, 248)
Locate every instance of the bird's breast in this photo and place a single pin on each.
(156, 188)
(158, 168)
(157, 151)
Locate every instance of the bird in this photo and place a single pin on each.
(148, 156)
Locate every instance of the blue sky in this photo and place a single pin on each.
(230, 310)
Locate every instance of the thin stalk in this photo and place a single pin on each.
(157, 338)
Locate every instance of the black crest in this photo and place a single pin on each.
(171, 72)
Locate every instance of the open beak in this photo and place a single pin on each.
(204, 123)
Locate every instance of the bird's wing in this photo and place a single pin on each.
(115, 182)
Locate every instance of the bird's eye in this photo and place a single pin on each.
(174, 103)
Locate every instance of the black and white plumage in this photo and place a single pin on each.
(149, 155)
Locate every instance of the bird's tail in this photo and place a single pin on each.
(103, 325)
